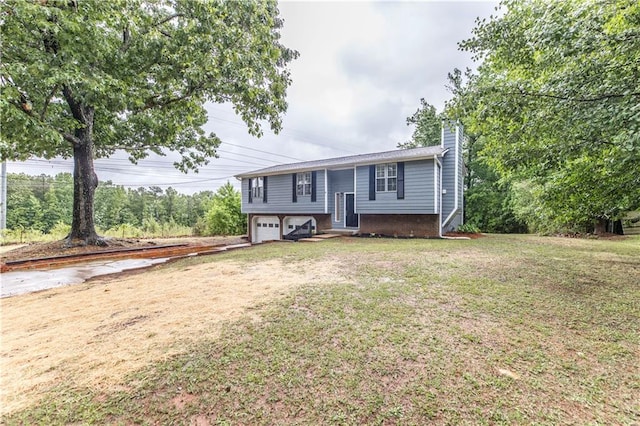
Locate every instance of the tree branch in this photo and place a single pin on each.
(48, 101)
(70, 138)
(155, 103)
(167, 19)
(25, 106)
(126, 34)
(128, 148)
(576, 99)
(76, 108)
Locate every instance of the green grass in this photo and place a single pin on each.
(498, 330)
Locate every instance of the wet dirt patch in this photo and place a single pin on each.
(98, 332)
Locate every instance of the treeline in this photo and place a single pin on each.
(552, 115)
(44, 203)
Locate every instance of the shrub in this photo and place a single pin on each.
(468, 228)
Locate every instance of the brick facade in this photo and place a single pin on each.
(400, 225)
(323, 221)
(391, 225)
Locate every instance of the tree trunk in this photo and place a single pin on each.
(617, 227)
(85, 182)
(601, 226)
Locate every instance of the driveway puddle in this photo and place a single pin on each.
(26, 281)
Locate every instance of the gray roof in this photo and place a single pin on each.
(350, 161)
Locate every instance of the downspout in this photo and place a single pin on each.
(440, 204)
(355, 192)
(457, 162)
(435, 185)
(456, 194)
(462, 172)
(326, 193)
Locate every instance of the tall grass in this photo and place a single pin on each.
(60, 231)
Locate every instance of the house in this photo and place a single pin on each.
(406, 193)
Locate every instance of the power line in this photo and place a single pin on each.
(308, 137)
(245, 155)
(264, 152)
(103, 164)
(141, 164)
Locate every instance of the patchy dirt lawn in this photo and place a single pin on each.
(95, 333)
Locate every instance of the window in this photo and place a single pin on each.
(386, 177)
(338, 207)
(256, 187)
(303, 186)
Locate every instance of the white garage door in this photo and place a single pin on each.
(290, 223)
(265, 228)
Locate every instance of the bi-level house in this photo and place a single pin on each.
(406, 193)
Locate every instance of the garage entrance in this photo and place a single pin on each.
(265, 228)
(291, 223)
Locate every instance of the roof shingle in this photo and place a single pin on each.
(350, 161)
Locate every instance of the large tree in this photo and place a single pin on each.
(428, 126)
(556, 100)
(83, 79)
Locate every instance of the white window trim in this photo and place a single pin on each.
(303, 185)
(386, 177)
(257, 187)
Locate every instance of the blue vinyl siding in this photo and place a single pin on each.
(424, 184)
(279, 195)
(339, 181)
(418, 191)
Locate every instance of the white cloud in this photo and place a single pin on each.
(362, 70)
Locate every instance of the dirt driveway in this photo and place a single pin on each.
(93, 334)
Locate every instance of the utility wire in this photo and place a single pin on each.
(264, 152)
(308, 137)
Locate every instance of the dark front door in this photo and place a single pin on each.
(351, 218)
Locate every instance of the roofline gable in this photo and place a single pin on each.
(413, 154)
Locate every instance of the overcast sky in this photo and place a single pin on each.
(363, 68)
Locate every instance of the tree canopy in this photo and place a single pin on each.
(42, 204)
(556, 101)
(225, 216)
(84, 79)
(428, 126)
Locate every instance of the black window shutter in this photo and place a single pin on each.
(400, 181)
(313, 186)
(264, 189)
(250, 194)
(372, 182)
(294, 197)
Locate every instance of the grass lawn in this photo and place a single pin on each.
(497, 330)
